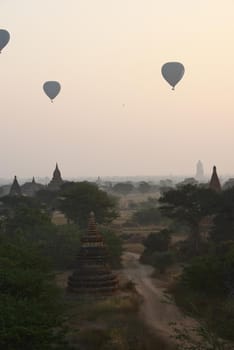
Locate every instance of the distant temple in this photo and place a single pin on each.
(15, 190)
(30, 188)
(93, 274)
(200, 171)
(56, 181)
(214, 181)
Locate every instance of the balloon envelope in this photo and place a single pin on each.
(4, 38)
(51, 89)
(173, 72)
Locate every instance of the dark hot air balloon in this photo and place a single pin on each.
(4, 38)
(51, 89)
(172, 72)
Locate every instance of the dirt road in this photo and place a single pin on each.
(157, 312)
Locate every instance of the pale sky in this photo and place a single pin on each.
(106, 53)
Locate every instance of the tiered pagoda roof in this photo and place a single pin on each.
(214, 181)
(93, 274)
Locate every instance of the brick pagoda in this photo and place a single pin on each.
(93, 274)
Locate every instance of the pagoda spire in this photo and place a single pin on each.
(57, 174)
(15, 188)
(214, 181)
(57, 180)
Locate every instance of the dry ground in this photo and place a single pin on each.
(109, 322)
(157, 309)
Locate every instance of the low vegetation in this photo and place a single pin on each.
(111, 324)
(205, 288)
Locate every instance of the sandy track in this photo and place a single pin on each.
(157, 312)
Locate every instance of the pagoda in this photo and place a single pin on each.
(214, 181)
(93, 274)
(200, 171)
(15, 190)
(30, 188)
(56, 181)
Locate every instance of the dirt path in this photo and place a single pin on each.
(157, 312)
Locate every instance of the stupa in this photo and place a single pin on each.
(15, 190)
(56, 181)
(30, 188)
(214, 181)
(93, 274)
(200, 172)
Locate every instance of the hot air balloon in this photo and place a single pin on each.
(4, 38)
(172, 72)
(51, 89)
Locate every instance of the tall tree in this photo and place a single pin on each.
(223, 224)
(190, 204)
(31, 313)
(123, 188)
(144, 187)
(79, 199)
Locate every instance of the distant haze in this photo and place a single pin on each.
(115, 115)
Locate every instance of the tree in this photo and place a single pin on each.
(11, 204)
(58, 243)
(147, 216)
(144, 187)
(81, 198)
(114, 244)
(156, 251)
(158, 241)
(123, 188)
(29, 220)
(47, 199)
(189, 205)
(223, 223)
(31, 310)
(162, 260)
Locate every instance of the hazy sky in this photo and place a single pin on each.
(107, 53)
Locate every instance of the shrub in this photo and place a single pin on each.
(158, 241)
(147, 216)
(205, 274)
(162, 260)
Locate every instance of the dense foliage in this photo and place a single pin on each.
(212, 274)
(147, 216)
(123, 188)
(206, 286)
(115, 248)
(223, 229)
(158, 241)
(58, 243)
(189, 205)
(77, 200)
(157, 251)
(31, 315)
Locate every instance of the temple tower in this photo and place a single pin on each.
(57, 180)
(93, 274)
(214, 181)
(200, 171)
(30, 188)
(15, 190)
